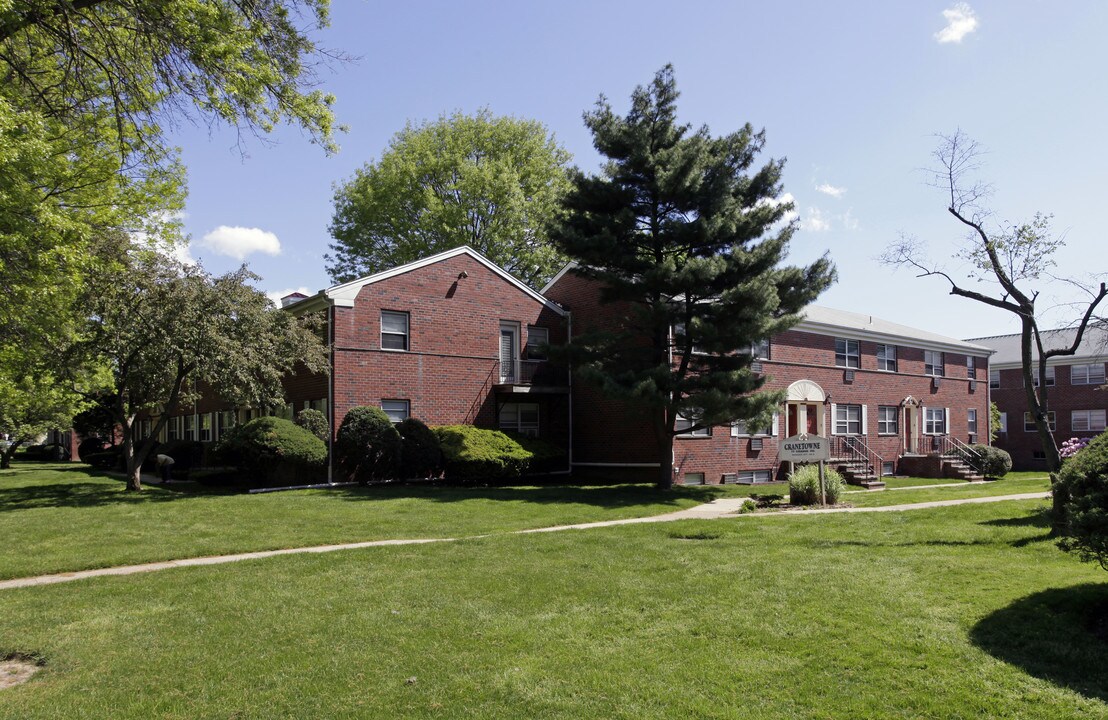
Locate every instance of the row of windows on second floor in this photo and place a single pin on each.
(399, 334)
(884, 357)
(1079, 374)
(850, 419)
(1081, 421)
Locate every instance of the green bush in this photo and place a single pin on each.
(804, 485)
(473, 454)
(996, 462)
(106, 460)
(367, 446)
(90, 446)
(420, 450)
(186, 454)
(1082, 489)
(277, 450)
(314, 422)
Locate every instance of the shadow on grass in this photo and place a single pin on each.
(1058, 635)
(1038, 518)
(75, 495)
(607, 496)
(919, 543)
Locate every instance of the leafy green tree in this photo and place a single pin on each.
(168, 331)
(994, 422)
(488, 182)
(689, 247)
(33, 402)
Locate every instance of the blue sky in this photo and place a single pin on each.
(850, 93)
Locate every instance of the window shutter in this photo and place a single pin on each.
(865, 428)
(834, 415)
(946, 422)
(775, 427)
(734, 429)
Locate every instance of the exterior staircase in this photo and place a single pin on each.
(856, 462)
(956, 468)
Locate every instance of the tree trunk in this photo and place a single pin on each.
(665, 461)
(6, 458)
(134, 469)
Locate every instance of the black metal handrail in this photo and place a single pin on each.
(531, 372)
(951, 446)
(855, 449)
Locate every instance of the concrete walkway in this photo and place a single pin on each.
(721, 508)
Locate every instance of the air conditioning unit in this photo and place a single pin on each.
(936, 383)
(973, 438)
(756, 367)
(972, 386)
(848, 376)
(755, 444)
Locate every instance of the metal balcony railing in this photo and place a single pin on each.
(532, 372)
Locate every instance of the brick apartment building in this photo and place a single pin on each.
(448, 339)
(886, 395)
(455, 339)
(1077, 404)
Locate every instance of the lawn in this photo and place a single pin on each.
(63, 517)
(1011, 484)
(961, 612)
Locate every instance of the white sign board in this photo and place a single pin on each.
(805, 448)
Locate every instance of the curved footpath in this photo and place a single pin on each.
(721, 508)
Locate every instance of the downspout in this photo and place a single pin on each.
(569, 370)
(331, 397)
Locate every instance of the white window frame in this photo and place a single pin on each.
(679, 329)
(886, 357)
(694, 478)
(189, 422)
(843, 426)
(994, 379)
(1049, 377)
(760, 350)
(206, 427)
(684, 422)
(884, 423)
(934, 363)
(511, 418)
(971, 420)
(1003, 422)
(394, 407)
(392, 333)
(1087, 420)
(1051, 422)
(971, 367)
(1086, 376)
(850, 354)
(738, 429)
(754, 477)
(936, 420)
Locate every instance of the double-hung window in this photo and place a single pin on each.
(1087, 420)
(933, 363)
(994, 379)
(394, 330)
(682, 425)
(740, 428)
(847, 353)
(1087, 374)
(1029, 422)
(522, 418)
(760, 350)
(679, 345)
(971, 367)
(1003, 422)
(397, 410)
(206, 427)
(848, 419)
(887, 419)
(1049, 376)
(934, 421)
(538, 338)
(971, 421)
(886, 357)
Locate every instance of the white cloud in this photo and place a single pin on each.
(238, 242)
(815, 221)
(180, 251)
(829, 189)
(786, 198)
(276, 295)
(960, 21)
(849, 222)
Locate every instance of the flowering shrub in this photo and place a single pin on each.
(1072, 446)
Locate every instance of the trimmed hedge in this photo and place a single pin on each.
(278, 450)
(997, 462)
(1082, 489)
(804, 485)
(420, 450)
(90, 446)
(367, 446)
(314, 422)
(472, 454)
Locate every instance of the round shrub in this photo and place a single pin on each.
(186, 454)
(367, 446)
(276, 449)
(111, 459)
(420, 451)
(804, 485)
(90, 446)
(1082, 489)
(472, 453)
(314, 422)
(996, 462)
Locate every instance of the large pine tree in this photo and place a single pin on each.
(689, 246)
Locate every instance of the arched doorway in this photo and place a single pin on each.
(804, 409)
(910, 426)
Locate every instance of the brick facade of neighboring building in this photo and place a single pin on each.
(1073, 394)
(609, 434)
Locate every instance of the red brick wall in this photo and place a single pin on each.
(1063, 399)
(610, 431)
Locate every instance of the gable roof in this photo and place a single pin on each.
(344, 294)
(1093, 347)
(857, 326)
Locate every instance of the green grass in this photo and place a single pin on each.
(1013, 484)
(962, 612)
(63, 517)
